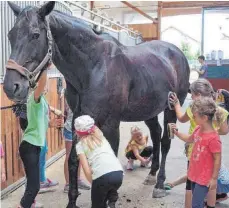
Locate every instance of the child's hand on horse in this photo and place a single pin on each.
(173, 99)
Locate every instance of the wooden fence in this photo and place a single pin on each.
(11, 134)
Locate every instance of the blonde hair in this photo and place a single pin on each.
(202, 87)
(93, 140)
(135, 129)
(207, 106)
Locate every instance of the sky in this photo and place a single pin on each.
(192, 25)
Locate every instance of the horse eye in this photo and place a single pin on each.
(35, 35)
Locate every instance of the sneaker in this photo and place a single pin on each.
(82, 185)
(37, 205)
(130, 165)
(48, 186)
(66, 188)
(144, 165)
(221, 197)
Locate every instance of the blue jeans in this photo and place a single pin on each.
(42, 162)
(67, 135)
(199, 193)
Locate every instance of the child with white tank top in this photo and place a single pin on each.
(101, 167)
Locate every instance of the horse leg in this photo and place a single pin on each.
(111, 132)
(72, 99)
(169, 117)
(155, 133)
(73, 165)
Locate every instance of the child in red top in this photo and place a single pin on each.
(205, 161)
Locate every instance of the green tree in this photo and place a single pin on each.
(186, 48)
(197, 54)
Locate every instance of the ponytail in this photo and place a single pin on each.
(207, 106)
(218, 117)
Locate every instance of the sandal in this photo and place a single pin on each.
(168, 186)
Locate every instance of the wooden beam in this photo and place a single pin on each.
(201, 4)
(180, 11)
(159, 15)
(91, 5)
(139, 11)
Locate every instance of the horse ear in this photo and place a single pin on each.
(46, 8)
(16, 9)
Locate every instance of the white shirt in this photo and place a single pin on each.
(101, 159)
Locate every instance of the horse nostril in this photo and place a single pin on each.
(16, 87)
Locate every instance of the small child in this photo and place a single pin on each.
(223, 184)
(199, 89)
(205, 160)
(137, 149)
(100, 165)
(3, 170)
(33, 141)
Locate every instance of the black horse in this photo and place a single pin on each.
(105, 79)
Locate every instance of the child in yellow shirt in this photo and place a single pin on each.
(137, 149)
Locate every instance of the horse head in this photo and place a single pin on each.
(31, 50)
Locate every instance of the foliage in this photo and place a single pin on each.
(186, 48)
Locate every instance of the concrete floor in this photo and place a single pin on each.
(133, 194)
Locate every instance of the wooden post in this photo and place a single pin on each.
(91, 8)
(160, 5)
(91, 5)
(139, 11)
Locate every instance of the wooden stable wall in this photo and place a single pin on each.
(11, 134)
(148, 31)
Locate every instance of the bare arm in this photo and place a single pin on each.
(136, 153)
(216, 168)
(40, 86)
(86, 167)
(58, 121)
(217, 165)
(184, 137)
(182, 117)
(200, 71)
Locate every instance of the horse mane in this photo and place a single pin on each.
(104, 35)
(71, 18)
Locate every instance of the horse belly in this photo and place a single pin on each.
(144, 108)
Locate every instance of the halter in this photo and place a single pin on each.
(34, 76)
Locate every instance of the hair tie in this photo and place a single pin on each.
(87, 132)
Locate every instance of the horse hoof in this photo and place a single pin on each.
(150, 180)
(72, 206)
(159, 193)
